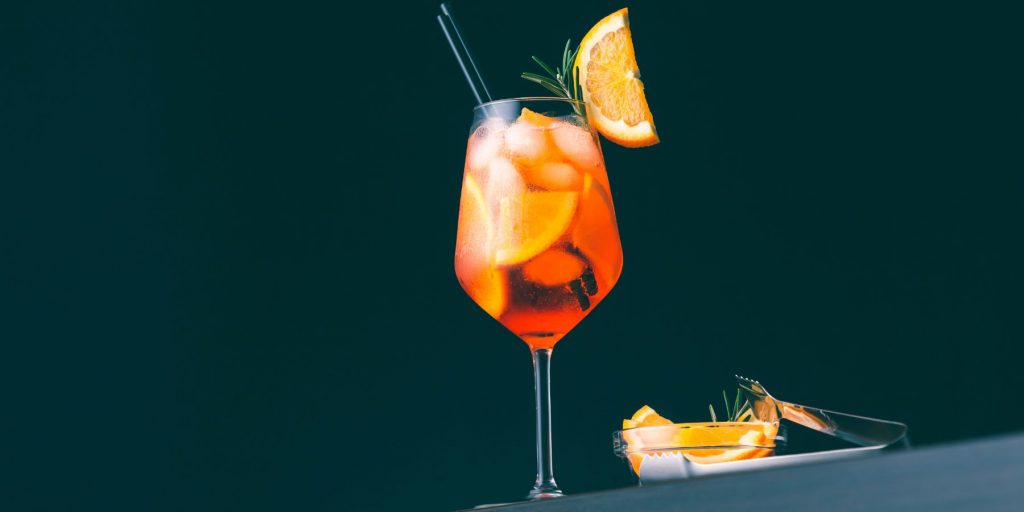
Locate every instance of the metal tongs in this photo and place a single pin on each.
(858, 430)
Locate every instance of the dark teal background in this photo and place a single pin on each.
(229, 229)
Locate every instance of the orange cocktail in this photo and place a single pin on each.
(537, 246)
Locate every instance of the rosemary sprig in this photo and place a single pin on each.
(562, 81)
(733, 412)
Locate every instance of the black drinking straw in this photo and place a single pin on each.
(451, 31)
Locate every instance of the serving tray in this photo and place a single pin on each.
(660, 467)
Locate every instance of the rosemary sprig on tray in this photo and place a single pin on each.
(734, 412)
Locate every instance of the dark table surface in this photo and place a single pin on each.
(980, 475)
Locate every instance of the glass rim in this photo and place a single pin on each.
(623, 451)
(527, 99)
(698, 425)
(621, 448)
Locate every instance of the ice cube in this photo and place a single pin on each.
(485, 144)
(503, 180)
(577, 144)
(527, 143)
(554, 176)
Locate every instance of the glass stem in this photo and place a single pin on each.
(545, 486)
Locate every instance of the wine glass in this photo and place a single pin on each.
(537, 245)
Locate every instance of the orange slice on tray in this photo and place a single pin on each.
(645, 417)
(610, 79)
(751, 436)
(754, 439)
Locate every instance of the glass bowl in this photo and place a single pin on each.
(685, 450)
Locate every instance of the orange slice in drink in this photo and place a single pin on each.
(488, 289)
(476, 229)
(539, 120)
(553, 267)
(596, 233)
(474, 264)
(610, 79)
(530, 223)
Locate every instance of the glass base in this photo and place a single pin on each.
(543, 494)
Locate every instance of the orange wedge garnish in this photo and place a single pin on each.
(610, 79)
